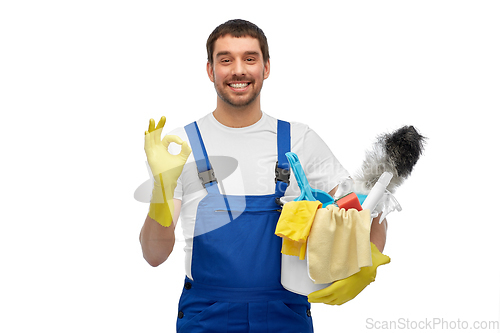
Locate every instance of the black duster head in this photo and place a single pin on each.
(396, 152)
(403, 148)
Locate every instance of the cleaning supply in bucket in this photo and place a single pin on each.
(377, 192)
(306, 192)
(294, 226)
(297, 216)
(342, 243)
(345, 197)
(349, 201)
(338, 244)
(339, 241)
(294, 271)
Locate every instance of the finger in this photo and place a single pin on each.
(161, 123)
(313, 300)
(157, 131)
(335, 302)
(386, 260)
(147, 140)
(323, 292)
(151, 125)
(339, 301)
(151, 131)
(185, 150)
(327, 299)
(168, 139)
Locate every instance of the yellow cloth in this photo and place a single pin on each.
(339, 244)
(344, 290)
(294, 225)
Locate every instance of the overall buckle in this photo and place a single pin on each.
(282, 175)
(207, 177)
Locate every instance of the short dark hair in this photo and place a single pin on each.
(237, 28)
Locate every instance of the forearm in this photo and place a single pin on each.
(157, 241)
(378, 233)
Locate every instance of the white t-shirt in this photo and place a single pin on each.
(244, 161)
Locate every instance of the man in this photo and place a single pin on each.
(232, 254)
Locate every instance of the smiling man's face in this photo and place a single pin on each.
(238, 71)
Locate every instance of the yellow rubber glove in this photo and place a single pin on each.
(166, 169)
(344, 290)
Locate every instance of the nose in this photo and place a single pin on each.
(239, 68)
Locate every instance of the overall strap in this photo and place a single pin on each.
(205, 171)
(282, 166)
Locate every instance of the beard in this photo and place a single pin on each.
(237, 101)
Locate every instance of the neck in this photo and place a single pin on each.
(237, 117)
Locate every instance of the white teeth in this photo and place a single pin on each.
(238, 85)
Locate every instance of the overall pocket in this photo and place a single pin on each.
(289, 317)
(202, 315)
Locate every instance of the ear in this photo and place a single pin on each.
(210, 71)
(267, 69)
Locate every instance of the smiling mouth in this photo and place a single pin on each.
(239, 85)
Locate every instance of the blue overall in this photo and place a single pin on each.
(236, 259)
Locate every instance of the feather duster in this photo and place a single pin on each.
(395, 152)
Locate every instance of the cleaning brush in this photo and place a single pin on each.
(395, 152)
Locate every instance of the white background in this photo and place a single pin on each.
(80, 79)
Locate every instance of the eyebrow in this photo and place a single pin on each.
(223, 53)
